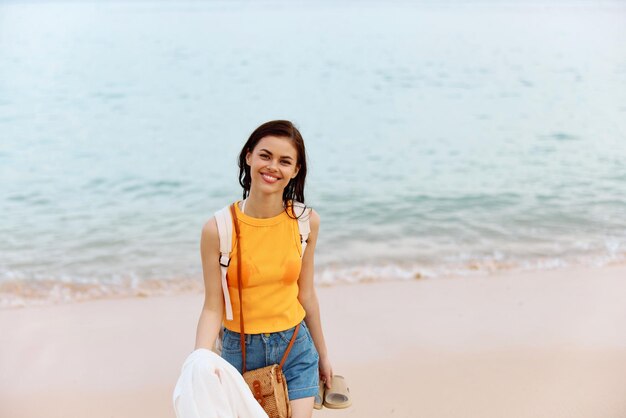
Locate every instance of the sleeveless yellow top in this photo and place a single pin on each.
(270, 267)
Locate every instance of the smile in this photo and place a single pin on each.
(269, 179)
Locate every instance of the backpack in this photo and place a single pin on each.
(224, 221)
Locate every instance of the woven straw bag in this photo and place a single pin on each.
(270, 389)
(268, 384)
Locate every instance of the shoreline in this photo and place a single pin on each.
(18, 294)
(524, 344)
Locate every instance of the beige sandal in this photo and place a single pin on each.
(338, 396)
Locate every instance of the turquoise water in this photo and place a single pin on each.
(460, 138)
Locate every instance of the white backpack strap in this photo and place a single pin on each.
(224, 221)
(303, 222)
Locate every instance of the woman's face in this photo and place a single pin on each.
(273, 162)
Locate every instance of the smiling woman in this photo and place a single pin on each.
(270, 273)
(275, 149)
(277, 169)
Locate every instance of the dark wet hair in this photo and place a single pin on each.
(281, 129)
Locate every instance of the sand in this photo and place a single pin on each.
(535, 344)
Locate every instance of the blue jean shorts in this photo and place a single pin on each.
(301, 368)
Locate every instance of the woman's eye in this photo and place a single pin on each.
(285, 162)
(265, 156)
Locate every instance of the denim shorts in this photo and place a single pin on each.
(301, 368)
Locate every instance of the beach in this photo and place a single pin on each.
(469, 174)
(511, 344)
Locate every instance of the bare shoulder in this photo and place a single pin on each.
(210, 226)
(210, 233)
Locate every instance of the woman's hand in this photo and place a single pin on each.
(326, 371)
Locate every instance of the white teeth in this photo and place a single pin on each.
(270, 178)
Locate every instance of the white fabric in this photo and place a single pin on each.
(303, 223)
(210, 387)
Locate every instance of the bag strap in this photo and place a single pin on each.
(304, 226)
(293, 340)
(242, 332)
(225, 231)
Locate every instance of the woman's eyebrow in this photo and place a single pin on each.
(269, 152)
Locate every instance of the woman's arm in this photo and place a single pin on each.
(308, 298)
(210, 321)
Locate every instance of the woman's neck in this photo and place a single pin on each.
(263, 206)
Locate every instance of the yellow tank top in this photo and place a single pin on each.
(270, 268)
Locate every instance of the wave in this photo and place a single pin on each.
(24, 292)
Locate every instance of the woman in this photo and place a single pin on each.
(277, 281)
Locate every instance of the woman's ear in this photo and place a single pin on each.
(248, 157)
(295, 174)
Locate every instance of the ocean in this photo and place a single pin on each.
(443, 138)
